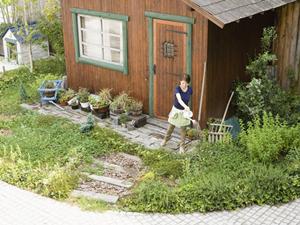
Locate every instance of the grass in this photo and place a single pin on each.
(90, 204)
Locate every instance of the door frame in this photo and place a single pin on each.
(189, 26)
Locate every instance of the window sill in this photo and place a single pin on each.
(115, 67)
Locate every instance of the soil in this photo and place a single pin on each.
(6, 132)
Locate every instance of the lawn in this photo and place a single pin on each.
(46, 154)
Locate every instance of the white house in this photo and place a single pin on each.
(16, 50)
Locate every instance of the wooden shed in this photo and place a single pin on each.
(143, 46)
(16, 49)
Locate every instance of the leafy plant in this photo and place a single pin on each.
(135, 105)
(105, 95)
(264, 138)
(89, 125)
(23, 93)
(97, 102)
(120, 102)
(83, 95)
(49, 84)
(67, 95)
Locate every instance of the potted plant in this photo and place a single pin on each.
(105, 95)
(49, 88)
(97, 104)
(120, 103)
(135, 107)
(123, 119)
(74, 103)
(65, 96)
(83, 97)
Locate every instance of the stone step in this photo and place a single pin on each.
(131, 157)
(96, 196)
(113, 181)
(110, 166)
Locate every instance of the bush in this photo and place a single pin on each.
(52, 181)
(268, 139)
(263, 138)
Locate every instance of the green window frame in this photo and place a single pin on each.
(121, 18)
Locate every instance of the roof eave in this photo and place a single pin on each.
(206, 14)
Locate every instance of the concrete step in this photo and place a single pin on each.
(113, 181)
(96, 196)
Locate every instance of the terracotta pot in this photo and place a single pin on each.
(100, 110)
(63, 103)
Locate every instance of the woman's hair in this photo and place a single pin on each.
(186, 78)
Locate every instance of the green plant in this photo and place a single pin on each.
(135, 106)
(97, 102)
(83, 95)
(49, 84)
(193, 133)
(124, 118)
(120, 102)
(89, 125)
(105, 95)
(263, 93)
(23, 93)
(264, 139)
(67, 95)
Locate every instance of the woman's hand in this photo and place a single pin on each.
(187, 108)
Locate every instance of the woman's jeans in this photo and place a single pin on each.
(182, 134)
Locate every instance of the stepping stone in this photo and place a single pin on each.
(107, 165)
(103, 197)
(131, 157)
(113, 181)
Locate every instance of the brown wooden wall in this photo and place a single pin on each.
(137, 82)
(288, 45)
(229, 50)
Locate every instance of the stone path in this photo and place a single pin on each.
(119, 172)
(19, 207)
(150, 135)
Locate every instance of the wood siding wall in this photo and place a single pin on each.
(288, 45)
(229, 51)
(137, 80)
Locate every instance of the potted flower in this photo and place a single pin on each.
(66, 96)
(83, 97)
(49, 88)
(120, 103)
(135, 108)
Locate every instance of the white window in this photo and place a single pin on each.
(100, 39)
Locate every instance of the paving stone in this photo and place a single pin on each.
(109, 180)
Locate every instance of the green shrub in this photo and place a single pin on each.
(52, 181)
(152, 196)
(264, 138)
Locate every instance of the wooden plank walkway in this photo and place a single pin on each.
(150, 136)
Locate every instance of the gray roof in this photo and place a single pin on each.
(226, 11)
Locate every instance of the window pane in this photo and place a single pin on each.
(90, 23)
(91, 37)
(112, 41)
(112, 56)
(92, 51)
(112, 26)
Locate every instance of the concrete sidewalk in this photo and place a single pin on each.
(19, 207)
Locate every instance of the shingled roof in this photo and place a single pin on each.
(222, 12)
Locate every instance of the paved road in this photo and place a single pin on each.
(19, 207)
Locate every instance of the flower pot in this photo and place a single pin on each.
(75, 107)
(136, 113)
(85, 105)
(117, 111)
(100, 110)
(63, 103)
(49, 94)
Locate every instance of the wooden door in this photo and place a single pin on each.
(169, 63)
